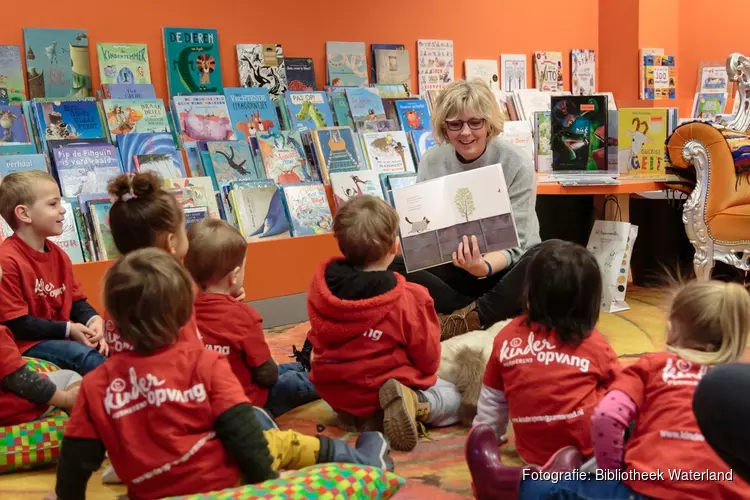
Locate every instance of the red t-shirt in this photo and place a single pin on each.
(551, 387)
(155, 415)
(235, 330)
(40, 284)
(359, 344)
(667, 436)
(189, 333)
(14, 409)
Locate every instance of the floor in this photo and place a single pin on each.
(436, 468)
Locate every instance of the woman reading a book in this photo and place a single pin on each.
(477, 290)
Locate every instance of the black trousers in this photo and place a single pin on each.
(498, 297)
(722, 409)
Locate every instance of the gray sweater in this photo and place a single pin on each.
(519, 176)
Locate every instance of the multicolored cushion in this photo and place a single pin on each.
(322, 481)
(35, 443)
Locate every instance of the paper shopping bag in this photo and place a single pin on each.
(611, 243)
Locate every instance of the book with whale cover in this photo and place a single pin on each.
(260, 212)
(435, 215)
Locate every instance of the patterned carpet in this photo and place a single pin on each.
(436, 468)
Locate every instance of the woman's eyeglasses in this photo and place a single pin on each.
(457, 125)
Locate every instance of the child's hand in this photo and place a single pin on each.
(81, 333)
(51, 496)
(240, 295)
(103, 348)
(70, 398)
(97, 326)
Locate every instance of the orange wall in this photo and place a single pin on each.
(617, 61)
(479, 28)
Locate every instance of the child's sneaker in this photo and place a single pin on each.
(402, 408)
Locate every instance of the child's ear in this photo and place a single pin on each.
(234, 275)
(22, 214)
(171, 243)
(395, 248)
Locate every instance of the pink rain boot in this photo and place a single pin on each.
(491, 480)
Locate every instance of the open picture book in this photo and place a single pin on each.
(435, 215)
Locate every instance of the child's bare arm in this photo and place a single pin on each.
(79, 458)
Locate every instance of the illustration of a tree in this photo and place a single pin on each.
(465, 202)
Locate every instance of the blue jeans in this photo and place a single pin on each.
(582, 489)
(67, 354)
(292, 389)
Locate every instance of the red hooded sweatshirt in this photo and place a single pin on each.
(359, 344)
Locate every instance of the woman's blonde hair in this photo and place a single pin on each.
(713, 319)
(462, 95)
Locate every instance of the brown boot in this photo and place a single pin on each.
(459, 322)
(402, 408)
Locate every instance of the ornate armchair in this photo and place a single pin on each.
(717, 159)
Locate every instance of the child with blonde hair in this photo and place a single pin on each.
(171, 414)
(666, 456)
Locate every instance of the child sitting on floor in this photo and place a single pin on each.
(171, 414)
(375, 337)
(26, 395)
(216, 259)
(43, 304)
(666, 455)
(550, 367)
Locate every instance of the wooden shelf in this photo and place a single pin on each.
(624, 187)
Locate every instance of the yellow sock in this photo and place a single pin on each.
(292, 450)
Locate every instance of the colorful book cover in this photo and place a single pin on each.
(86, 169)
(202, 191)
(204, 118)
(393, 67)
(131, 145)
(712, 78)
(123, 63)
(194, 214)
(135, 116)
(583, 71)
(86, 219)
(193, 61)
(300, 73)
(543, 144)
(260, 211)
(422, 140)
(284, 157)
(262, 65)
(388, 151)
(374, 47)
(57, 62)
(231, 161)
(335, 150)
(434, 64)
(340, 105)
(392, 90)
(307, 206)
(642, 133)
(660, 76)
(548, 70)
(74, 119)
(252, 112)
(705, 106)
(365, 104)
(163, 164)
(128, 91)
(579, 133)
(12, 87)
(22, 163)
(347, 185)
(105, 243)
(12, 125)
(346, 64)
(309, 110)
(18, 148)
(613, 124)
(413, 115)
(69, 240)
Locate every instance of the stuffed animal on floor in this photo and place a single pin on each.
(462, 363)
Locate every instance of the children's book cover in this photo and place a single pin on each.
(57, 62)
(641, 151)
(17, 148)
(548, 70)
(232, 161)
(413, 115)
(136, 144)
(365, 104)
(309, 110)
(346, 64)
(69, 120)
(543, 142)
(123, 63)
(422, 140)
(393, 67)
(12, 125)
(347, 185)
(163, 164)
(135, 116)
(12, 88)
(194, 214)
(660, 75)
(261, 212)
(388, 151)
(340, 105)
(69, 240)
(483, 69)
(613, 123)
(204, 118)
(202, 188)
(374, 47)
(284, 157)
(252, 112)
(513, 71)
(705, 106)
(262, 65)
(583, 71)
(105, 243)
(300, 73)
(128, 91)
(392, 90)
(307, 206)
(22, 163)
(435, 64)
(86, 169)
(712, 78)
(579, 133)
(335, 150)
(193, 61)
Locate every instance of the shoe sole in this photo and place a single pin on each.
(399, 428)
